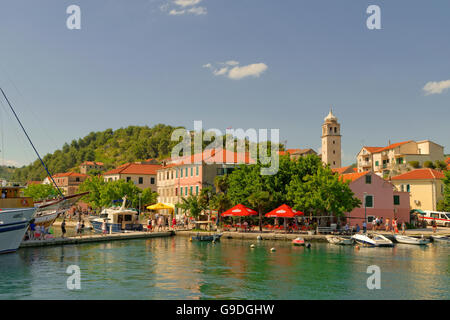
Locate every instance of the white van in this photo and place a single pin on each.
(442, 218)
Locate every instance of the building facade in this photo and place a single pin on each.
(143, 175)
(379, 198)
(331, 141)
(395, 159)
(86, 166)
(67, 182)
(424, 185)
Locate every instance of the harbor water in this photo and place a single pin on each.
(175, 268)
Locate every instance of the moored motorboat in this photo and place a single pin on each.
(339, 240)
(441, 239)
(206, 237)
(372, 240)
(298, 241)
(411, 240)
(16, 212)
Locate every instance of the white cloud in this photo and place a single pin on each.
(236, 72)
(221, 71)
(198, 10)
(187, 3)
(174, 12)
(436, 87)
(253, 70)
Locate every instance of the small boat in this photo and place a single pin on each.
(372, 240)
(16, 212)
(340, 240)
(441, 239)
(298, 241)
(411, 240)
(206, 237)
(117, 219)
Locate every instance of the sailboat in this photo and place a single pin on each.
(17, 211)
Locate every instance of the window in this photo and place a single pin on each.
(141, 180)
(192, 171)
(334, 142)
(377, 163)
(196, 190)
(128, 179)
(335, 129)
(152, 180)
(187, 172)
(185, 191)
(369, 201)
(191, 190)
(368, 179)
(408, 188)
(402, 188)
(181, 173)
(396, 200)
(370, 219)
(176, 191)
(334, 162)
(128, 217)
(196, 171)
(334, 152)
(77, 179)
(176, 173)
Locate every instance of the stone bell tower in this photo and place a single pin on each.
(331, 141)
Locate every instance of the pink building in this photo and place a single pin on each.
(380, 199)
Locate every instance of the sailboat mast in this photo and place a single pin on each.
(26, 134)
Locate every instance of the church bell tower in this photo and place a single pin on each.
(331, 141)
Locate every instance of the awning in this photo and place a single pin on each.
(239, 210)
(283, 211)
(418, 211)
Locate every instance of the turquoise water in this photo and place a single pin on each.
(175, 268)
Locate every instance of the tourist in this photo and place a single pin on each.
(174, 223)
(149, 224)
(346, 228)
(403, 227)
(381, 222)
(364, 227)
(387, 224)
(104, 231)
(63, 228)
(357, 228)
(378, 223)
(394, 226)
(153, 224)
(78, 228)
(32, 229)
(374, 224)
(245, 226)
(433, 224)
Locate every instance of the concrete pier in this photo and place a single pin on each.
(94, 238)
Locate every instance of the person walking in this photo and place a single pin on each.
(364, 227)
(374, 224)
(149, 224)
(387, 224)
(78, 228)
(63, 228)
(434, 225)
(394, 226)
(403, 227)
(174, 223)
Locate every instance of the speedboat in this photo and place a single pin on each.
(339, 240)
(372, 240)
(15, 215)
(441, 239)
(298, 241)
(117, 219)
(411, 240)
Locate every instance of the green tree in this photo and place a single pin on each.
(192, 205)
(414, 164)
(441, 165)
(444, 204)
(428, 164)
(260, 200)
(95, 185)
(40, 191)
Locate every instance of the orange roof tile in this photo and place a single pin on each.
(392, 146)
(92, 163)
(69, 174)
(134, 168)
(353, 176)
(341, 170)
(420, 174)
(372, 149)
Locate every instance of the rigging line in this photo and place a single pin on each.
(46, 169)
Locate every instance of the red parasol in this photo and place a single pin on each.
(283, 211)
(239, 210)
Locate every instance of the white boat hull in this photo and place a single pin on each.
(411, 240)
(376, 240)
(441, 239)
(340, 240)
(13, 225)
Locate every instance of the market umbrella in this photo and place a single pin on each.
(239, 210)
(161, 206)
(283, 211)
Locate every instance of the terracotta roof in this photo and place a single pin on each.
(341, 170)
(394, 145)
(92, 163)
(353, 176)
(372, 149)
(447, 160)
(295, 151)
(355, 169)
(134, 168)
(420, 174)
(69, 174)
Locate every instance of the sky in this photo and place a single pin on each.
(263, 64)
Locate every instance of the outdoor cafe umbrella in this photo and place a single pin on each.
(239, 210)
(161, 206)
(283, 211)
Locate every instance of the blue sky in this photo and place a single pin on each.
(144, 62)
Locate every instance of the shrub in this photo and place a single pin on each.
(414, 164)
(428, 164)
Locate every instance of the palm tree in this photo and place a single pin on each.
(260, 200)
(191, 204)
